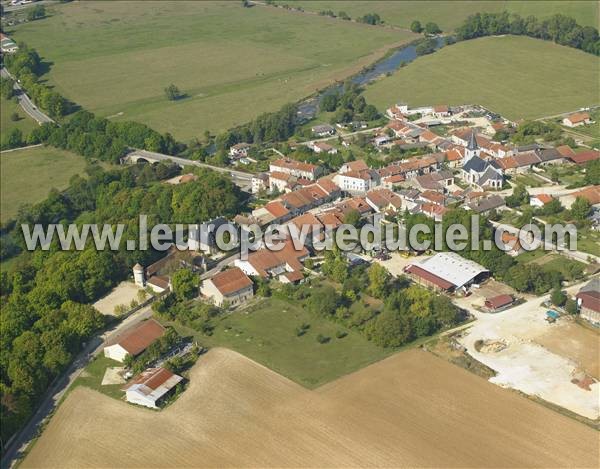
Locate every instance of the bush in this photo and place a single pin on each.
(323, 339)
(341, 334)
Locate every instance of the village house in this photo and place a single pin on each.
(442, 110)
(511, 243)
(484, 205)
(259, 182)
(269, 263)
(134, 341)
(323, 130)
(539, 200)
(239, 150)
(384, 200)
(203, 237)
(576, 119)
(585, 157)
(438, 181)
(358, 182)
(231, 286)
(296, 168)
(151, 387)
(322, 147)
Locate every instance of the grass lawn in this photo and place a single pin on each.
(28, 175)
(92, 376)
(518, 77)
(266, 332)
(529, 180)
(588, 241)
(552, 261)
(116, 58)
(7, 108)
(449, 14)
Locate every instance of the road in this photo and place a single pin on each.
(61, 385)
(10, 8)
(239, 178)
(548, 246)
(26, 103)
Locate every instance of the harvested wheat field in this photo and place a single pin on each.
(412, 409)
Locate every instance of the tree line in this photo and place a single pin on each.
(558, 28)
(45, 295)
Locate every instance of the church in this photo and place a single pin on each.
(478, 172)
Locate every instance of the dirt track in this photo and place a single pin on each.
(411, 409)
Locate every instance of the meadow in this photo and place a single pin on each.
(232, 63)
(266, 332)
(518, 77)
(28, 175)
(409, 410)
(8, 107)
(449, 14)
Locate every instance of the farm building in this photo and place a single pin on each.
(447, 271)
(232, 286)
(134, 341)
(498, 303)
(151, 386)
(588, 301)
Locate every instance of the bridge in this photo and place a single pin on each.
(239, 178)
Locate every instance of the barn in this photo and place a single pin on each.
(447, 271)
(134, 341)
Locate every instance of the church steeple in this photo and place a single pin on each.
(472, 147)
(473, 142)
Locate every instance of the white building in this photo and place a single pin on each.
(151, 386)
(231, 286)
(134, 341)
(358, 182)
(576, 119)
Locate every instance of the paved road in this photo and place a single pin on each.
(548, 246)
(239, 178)
(62, 384)
(9, 8)
(26, 103)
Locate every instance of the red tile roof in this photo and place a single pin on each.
(231, 281)
(585, 156)
(577, 117)
(153, 378)
(135, 341)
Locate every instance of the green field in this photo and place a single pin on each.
(267, 333)
(518, 77)
(116, 58)
(449, 14)
(28, 175)
(7, 108)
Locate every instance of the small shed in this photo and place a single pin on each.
(498, 303)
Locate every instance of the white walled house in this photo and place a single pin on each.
(231, 286)
(576, 119)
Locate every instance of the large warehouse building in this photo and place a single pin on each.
(447, 271)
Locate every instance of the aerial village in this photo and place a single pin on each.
(450, 158)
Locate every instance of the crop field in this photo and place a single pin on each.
(449, 14)
(232, 63)
(411, 409)
(517, 77)
(266, 332)
(7, 108)
(28, 175)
